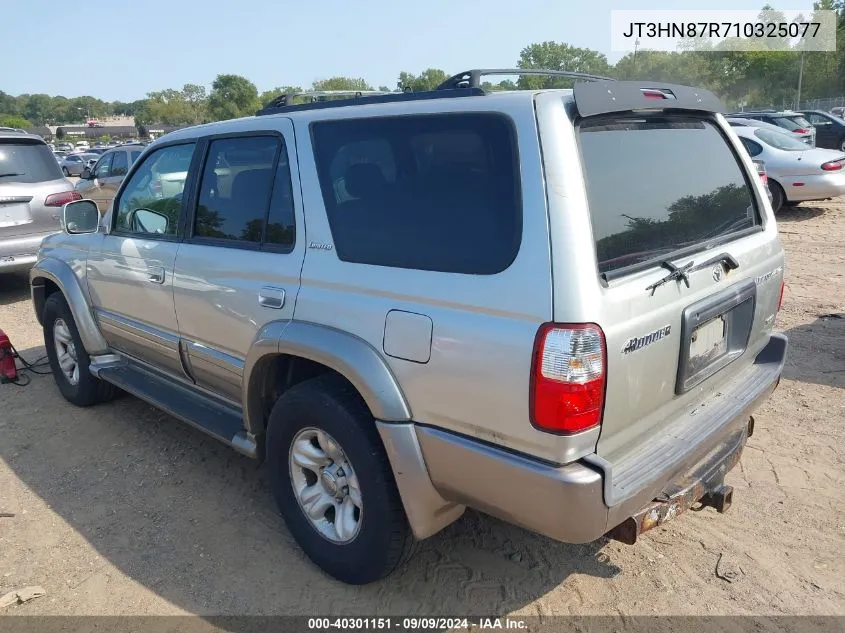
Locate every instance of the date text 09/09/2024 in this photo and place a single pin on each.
(415, 623)
(722, 29)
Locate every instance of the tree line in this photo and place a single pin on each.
(767, 78)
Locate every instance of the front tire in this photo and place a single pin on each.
(68, 359)
(65, 172)
(333, 483)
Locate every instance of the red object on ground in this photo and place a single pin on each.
(8, 370)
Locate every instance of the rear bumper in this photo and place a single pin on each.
(817, 187)
(20, 252)
(574, 503)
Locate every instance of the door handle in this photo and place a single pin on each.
(155, 275)
(273, 298)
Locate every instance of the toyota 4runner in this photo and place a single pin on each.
(553, 306)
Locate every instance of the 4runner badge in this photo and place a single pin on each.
(638, 343)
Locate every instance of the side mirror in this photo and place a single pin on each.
(86, 174)
(81, 216)
(147, 221)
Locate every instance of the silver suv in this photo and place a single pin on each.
(553, 306)
(32, 194)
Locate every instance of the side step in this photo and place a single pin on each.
(215, 417)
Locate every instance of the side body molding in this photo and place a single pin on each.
(346, 353)
(63, 276)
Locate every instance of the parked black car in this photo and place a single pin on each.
(830, 129)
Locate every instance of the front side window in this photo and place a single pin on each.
(426, 192)
(102, 168)
(120, 164)
(151, 202)
(245, 192)
(661, 184)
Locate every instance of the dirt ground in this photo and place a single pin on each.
(120, 509)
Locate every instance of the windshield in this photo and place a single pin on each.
(691, 191)
(25, 161)
(780, 140)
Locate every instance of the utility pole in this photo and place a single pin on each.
(800, 80)
(636, 46)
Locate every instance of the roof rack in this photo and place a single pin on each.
(283, 103)
(472, 78)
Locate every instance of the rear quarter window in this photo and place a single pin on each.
(659, 185)
(425, 192)
(25, 161)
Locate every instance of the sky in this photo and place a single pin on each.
(123, 50)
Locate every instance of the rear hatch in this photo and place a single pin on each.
(29, 174)
(677, 219)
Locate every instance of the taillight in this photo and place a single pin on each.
(801, 130)
(568, 376)
(834, 165)
(780, 299)
(765, 178)
(61, 199)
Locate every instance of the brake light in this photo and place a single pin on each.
(61, 199)
(834, 165)
(568, 377)
(801, 130)
(653, 94)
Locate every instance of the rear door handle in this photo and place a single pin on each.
(155, 275)
(273, 298)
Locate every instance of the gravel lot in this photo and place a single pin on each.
(120, 509)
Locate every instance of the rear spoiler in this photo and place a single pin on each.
(604, 97)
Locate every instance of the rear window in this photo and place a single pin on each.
(25, 161)
(793, 123)
(780, 140)
(660, 185)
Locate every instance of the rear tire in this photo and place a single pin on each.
(65, 172)
(68, 359)
(842, 144)
(355, 528)
(778, 196)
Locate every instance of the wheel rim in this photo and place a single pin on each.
(842, 146)
(65, 351)
(325, 485)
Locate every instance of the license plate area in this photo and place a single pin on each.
(714, 333)
(14, 215)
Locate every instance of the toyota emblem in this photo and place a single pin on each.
(717, 273)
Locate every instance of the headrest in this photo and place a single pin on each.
(364, 180)
(247, 183)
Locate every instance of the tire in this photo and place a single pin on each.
(841, 144)
(65, 172)
(82, 388)
(778, 196)
(382, 539)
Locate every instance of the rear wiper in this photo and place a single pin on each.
(11, 174)
(675, 273)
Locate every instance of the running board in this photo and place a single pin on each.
(214, 417)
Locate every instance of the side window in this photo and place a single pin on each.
(817, 119)
(102, 168)
(439, 193)
(245, 192)
(120, 164)
(753, 148)
(151, 201)
(133, 157)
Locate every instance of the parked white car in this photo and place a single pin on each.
(796, 173)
